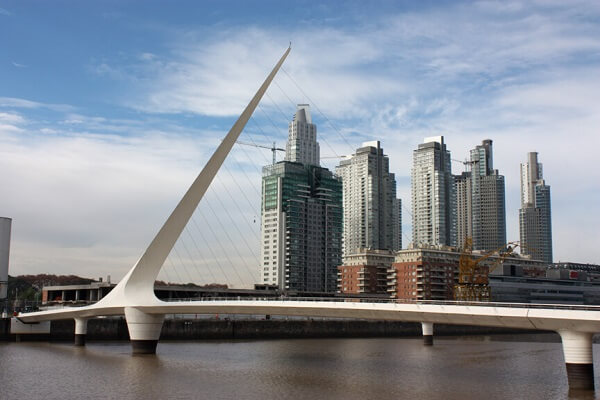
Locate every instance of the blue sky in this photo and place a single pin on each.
(109, 109)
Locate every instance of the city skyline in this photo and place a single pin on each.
(106, 115)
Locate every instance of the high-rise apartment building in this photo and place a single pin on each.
(302, 145)
(371, 219)
(434, 212)
(301, 224)
(398, 224)
(535, 217)
(464, 208)
(480, 202)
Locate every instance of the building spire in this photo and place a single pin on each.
(302, 145)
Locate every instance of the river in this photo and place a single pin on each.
(467, 367)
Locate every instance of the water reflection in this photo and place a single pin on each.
(490, 367)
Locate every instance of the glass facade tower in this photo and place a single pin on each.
(301, 223)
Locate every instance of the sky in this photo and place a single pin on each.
(109, 109)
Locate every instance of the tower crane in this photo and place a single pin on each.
(273, 148)
(466, 163)
(473, 278)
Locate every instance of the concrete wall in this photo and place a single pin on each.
(204, 329)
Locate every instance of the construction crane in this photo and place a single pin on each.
(466, 163)
(273, 148)
(473, 277)
(326, 157)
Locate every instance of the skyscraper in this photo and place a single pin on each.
(434, 213)
(480, 202)
(535, 217)
(371, 219)
(301, 224)
(302, 145)
(464, 208)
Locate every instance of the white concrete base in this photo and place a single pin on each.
(577, 348)
(80, 331)
(144, 330)
(20, 328)
(427, 328)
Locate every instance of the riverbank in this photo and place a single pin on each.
(206, 329)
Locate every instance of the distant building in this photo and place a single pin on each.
(302, 145)
(430, 272)
(91, 293)
(592, 270)
(76, 294)
(480, 202)
(535, 215)
(365, 271)
(5, 228)
(556, 286)
(464, 207)
(398, 245)
(434, 218)
(301, 223)
(423, 274)
(371, 209)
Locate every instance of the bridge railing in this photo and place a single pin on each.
(397, 301)
(345, 300)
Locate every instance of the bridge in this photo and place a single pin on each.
(144, 313)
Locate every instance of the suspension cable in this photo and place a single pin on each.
(227, 279)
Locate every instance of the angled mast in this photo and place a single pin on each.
(140, 279)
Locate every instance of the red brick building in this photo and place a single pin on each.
(423, 274)
(430, 273)
(365, 272)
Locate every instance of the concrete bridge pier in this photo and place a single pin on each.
(80, 331)
(427, 328)
(577, 348)
(144, 330)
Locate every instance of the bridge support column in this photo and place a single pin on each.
(144, 330)
(80, 331)
(577, 347)
(427, 328)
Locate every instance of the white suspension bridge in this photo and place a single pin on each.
(134, 296)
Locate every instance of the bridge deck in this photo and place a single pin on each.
(525, 316)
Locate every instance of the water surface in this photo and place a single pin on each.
(476, 367)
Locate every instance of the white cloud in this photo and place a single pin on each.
(12, 118)
(8, 129)
(89, 203)
(198, 78)
(12, 102)
(147, 56)
(88, 193)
